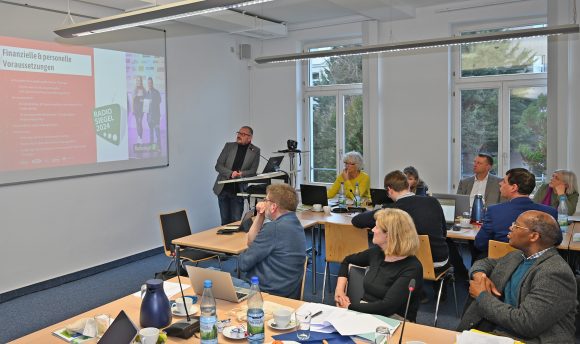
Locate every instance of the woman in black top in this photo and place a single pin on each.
(391, 266)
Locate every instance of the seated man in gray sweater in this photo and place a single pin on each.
(276, 249)
(529, 294)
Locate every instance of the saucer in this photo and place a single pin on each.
(272, 324)
(234, 332)
(192, 310)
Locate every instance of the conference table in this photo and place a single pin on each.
(225, 310)
(234, 244)
(566, 245)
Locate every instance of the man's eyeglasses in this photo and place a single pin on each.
(243, 134)
(514, 225)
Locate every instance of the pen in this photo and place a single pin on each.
(316, 314)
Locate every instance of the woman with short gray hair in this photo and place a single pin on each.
(351, 174)
(562, 183)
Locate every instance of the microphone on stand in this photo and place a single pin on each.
(253, 149)
(187, 328)
(411, 289)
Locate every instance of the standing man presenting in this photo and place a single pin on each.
(482, 182)
(237, 159)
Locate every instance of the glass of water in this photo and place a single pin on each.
(382, 335)
(303, 325)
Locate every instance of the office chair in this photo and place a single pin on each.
(340, 241)
(426, 259)
(176, 225)
(498, 249)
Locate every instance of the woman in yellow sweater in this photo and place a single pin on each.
(351, 174)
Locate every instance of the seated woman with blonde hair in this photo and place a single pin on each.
(563, 182)
(391, 266)
(352, 174)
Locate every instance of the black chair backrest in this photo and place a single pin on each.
(355, 288)
(174, 225)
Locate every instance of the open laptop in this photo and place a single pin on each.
(121, 331)
(380, 196)
(222, 284)
(273, 164)
(313, 194)
(453, 205)
(244, 226)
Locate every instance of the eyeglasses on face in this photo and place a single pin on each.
(514, 225)
(243, 134)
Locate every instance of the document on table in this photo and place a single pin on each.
(469, 337)
(345, 322)
(170, 288)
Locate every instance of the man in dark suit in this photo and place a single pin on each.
(482, 182)
(237, 159)
(516, 186)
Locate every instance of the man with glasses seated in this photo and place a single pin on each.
(530, 294)
(516, 186)
(276, 248)
(237, 159)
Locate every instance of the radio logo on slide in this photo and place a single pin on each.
(107, 120)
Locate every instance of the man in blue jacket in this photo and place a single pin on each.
(276, 249)
(516, 186)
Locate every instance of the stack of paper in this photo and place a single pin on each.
(470, 337)
(345, 322)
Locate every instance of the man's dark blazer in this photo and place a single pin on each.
(226, 160)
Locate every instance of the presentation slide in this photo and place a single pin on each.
(74, 110)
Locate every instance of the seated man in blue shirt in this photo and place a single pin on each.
(528, 294)
(516, 186)
(276, 249)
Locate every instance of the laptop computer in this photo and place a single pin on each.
(222, 284)
(121, 331)
(273, 164)
(453, 205)
(244, 226)
(380, 196)
(313, 194)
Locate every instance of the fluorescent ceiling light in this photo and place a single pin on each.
(427, 43)
(151, 15)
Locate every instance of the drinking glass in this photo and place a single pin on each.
(303, 325)
(382, 335)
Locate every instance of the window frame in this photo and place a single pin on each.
(338, 90)
(504, 83)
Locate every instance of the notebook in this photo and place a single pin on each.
(453, 205)
(273, 164)
(380, 196)
(244, 226)
(121, 331)
(222, 284)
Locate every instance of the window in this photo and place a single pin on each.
(334, 113)
(500, 100)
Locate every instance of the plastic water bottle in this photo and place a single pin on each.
(207, 320)
(563, 214)
(255, 314)
(341, 197)
(357, 199)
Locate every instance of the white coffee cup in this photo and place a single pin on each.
(178, 306)
(149, 335)
(327, 209)
(282, 317)
(317, 207)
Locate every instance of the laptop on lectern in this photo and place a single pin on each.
(273, 164)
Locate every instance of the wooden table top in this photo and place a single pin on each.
(131, 305)
(236, 243)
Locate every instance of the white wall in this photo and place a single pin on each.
(53, 228)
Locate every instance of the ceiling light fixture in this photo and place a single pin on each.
(427, 43)
(151, 15)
